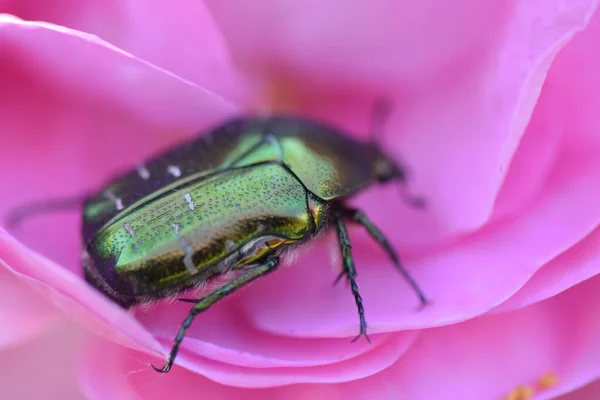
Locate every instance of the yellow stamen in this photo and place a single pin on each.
(547, 381)
(522, 392)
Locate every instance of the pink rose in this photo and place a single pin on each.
(496, 114)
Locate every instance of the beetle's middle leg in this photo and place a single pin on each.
(350, 270)
(251, 274)
(360, 218)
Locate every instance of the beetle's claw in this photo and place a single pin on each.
(339, 278)
(362, 333)
(423, 304)
(164, 369)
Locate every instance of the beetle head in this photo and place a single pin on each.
(385, 168)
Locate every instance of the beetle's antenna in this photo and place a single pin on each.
(17, 215)
(409, 198)
(382, 109)
(406, 196)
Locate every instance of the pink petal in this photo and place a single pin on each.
(485, 358)
(575, 265)
(223, 334)
(488, 357)
(109, 371)
(43, 369)
(452, 84)
(573, 86)
(566, 115)
(101, 352)
(24, 314)
(74, 296)
(180, 38)
(588, 392)
(78, 63)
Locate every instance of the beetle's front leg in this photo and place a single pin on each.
(360, 218)
(350, 270)
(251, 274)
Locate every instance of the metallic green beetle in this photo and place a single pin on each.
(229, 205)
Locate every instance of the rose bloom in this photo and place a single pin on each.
(495, 112)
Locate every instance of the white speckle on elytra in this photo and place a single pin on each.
(188, 198)
(189, 251)
(174, 170)
(117, 200)
(129, 229)
(143, 172)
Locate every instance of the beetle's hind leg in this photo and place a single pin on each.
(360, 218)
(18, 214)
(350, 271)
(202, 304)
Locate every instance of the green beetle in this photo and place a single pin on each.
(229, 205)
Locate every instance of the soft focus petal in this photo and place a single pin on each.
(43, 369)
(223, 334)
(74, 296)
(486, 358)
(109, 371)
(24, 314)
(565, 116)
(577, 264)
(588, 392)
(179, 36)
(465, 81)
(578, 99)
(376, 360)
(351, 42)
(81, 64)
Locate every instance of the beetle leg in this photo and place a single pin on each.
(382, 109)
(339, 277)
(350, 271)
(18, 214)
(202, 304)
(360, 218)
